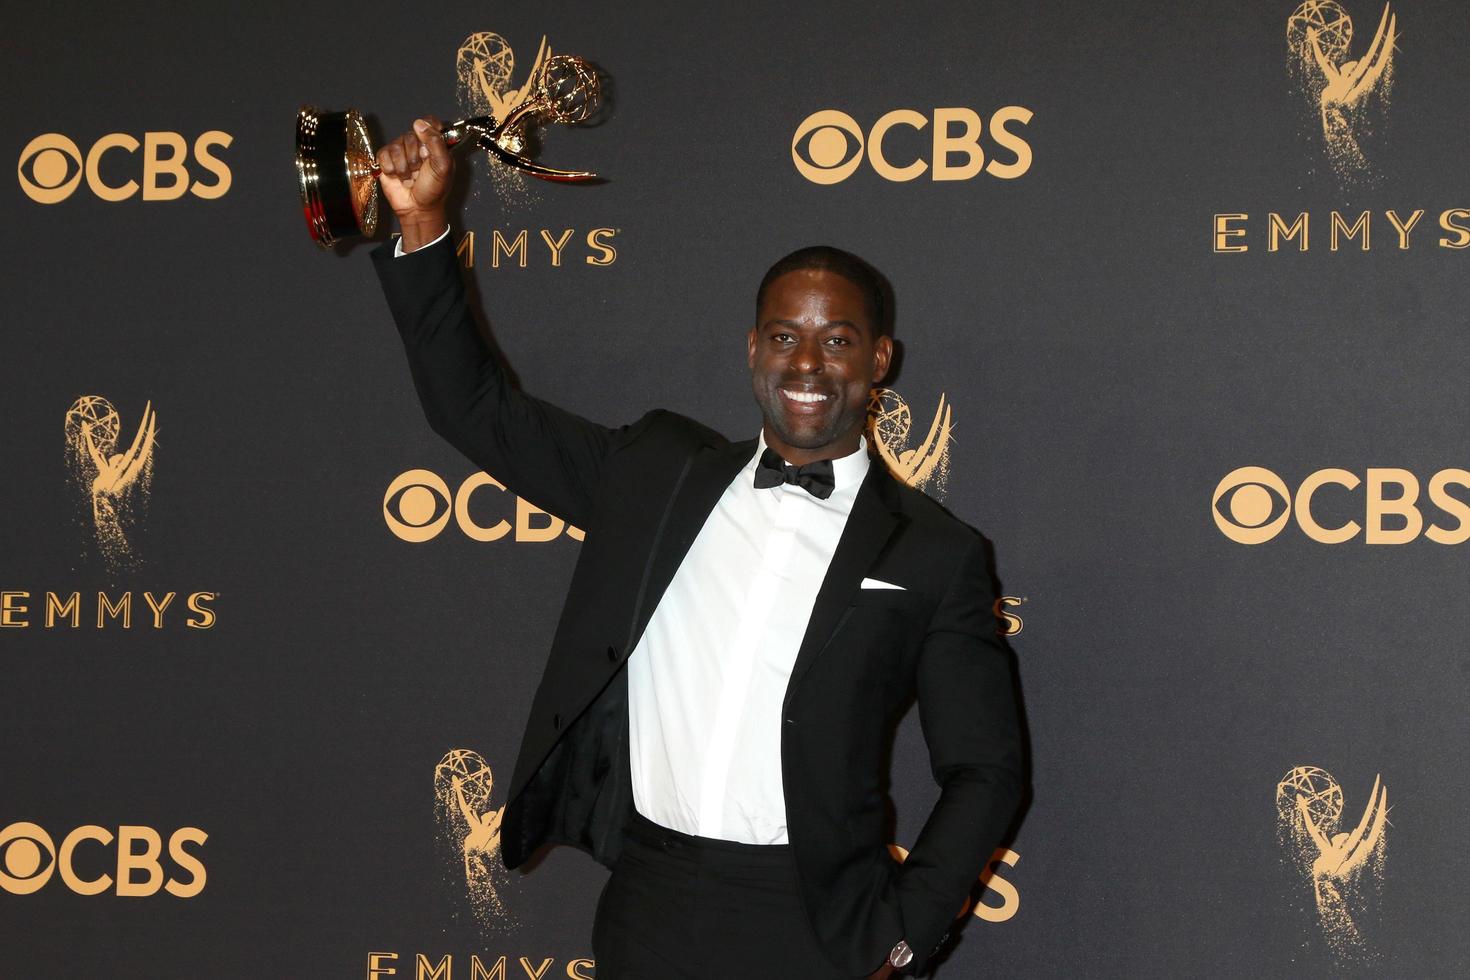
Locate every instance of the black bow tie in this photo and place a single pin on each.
(816, 478)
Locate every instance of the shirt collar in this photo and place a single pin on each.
(847, 471)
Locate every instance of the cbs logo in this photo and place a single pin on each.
(29, 858)
(829, 145)
(1009, 624)
(1251, 506)
(418, 506)
(52, 167)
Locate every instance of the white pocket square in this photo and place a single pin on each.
(873, 583)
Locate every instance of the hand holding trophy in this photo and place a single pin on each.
(415, 172)
(337, 170)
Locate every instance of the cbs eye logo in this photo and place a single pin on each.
(1252, 505)
(418, 506)
(52, 167)
(29, 858)
(829, 145)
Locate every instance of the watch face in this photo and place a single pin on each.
(901, 955)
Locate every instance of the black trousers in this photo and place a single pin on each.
(679, 907)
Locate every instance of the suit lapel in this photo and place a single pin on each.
(710, 472)
(873, 520)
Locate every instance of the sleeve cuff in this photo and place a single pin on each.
(398, 251)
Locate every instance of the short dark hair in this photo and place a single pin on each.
(834, 260)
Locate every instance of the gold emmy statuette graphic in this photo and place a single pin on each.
(1309, 804)
(462, 784)
(923, 467)
(336, 166)
(1344, 91)
(116, 483)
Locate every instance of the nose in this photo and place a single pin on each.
(807, 358)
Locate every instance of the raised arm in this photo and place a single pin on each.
(549, 456)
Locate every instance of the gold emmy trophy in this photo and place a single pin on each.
(337, 169)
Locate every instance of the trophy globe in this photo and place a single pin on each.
(336, 164)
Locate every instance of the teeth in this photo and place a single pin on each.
(803, 396)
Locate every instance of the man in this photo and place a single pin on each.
(744, 622)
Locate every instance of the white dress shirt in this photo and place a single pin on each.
(399, 253)
(707, 679)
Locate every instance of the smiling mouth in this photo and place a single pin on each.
(803, 397)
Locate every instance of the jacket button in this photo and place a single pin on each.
(556, 722)
(612, 654)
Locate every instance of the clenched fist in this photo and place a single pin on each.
(417, 169)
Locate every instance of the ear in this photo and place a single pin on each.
(750, 338)
(882, 355)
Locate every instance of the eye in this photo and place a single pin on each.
(1251, 505)
(417, 505)
(26, 858)
(827, 147)
(50, 168)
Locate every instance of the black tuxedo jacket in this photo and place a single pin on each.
(641, 493)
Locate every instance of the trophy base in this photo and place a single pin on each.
(334, 171)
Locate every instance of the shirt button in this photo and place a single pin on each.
(790, 721)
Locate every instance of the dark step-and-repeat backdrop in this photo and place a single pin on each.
(1181, 301)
